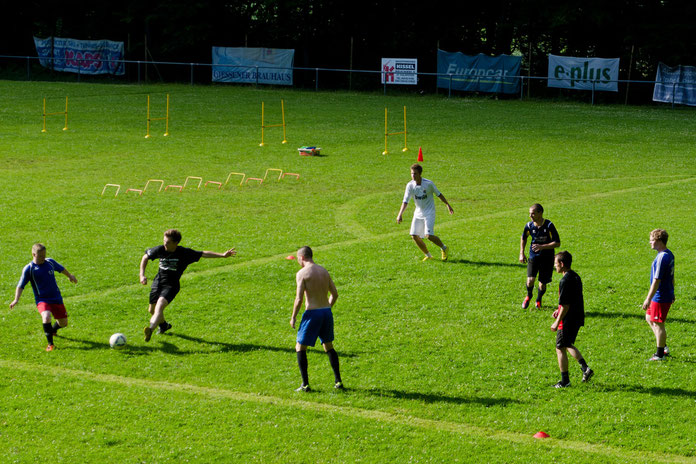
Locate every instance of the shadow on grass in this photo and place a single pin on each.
(430, 398)
(484, 263)
(657, 391)
(639, 314)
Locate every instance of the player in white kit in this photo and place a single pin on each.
(423, 192)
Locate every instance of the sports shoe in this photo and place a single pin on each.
(50, 347)
(537, 303)
(666, 351)
(339, 386)
(525, 303)
(561, 385)
(148, 333)
(166, 327)
(655, 357)
(444, 253)
(303, 388)
(427, 258)
(587, 375)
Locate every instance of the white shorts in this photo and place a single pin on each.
(423, 226)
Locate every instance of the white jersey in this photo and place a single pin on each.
(424, 197)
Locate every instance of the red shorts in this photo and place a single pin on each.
(658, 311)
(58, 310)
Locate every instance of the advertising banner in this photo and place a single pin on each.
(567, 72)
(400, 71)
(81, 56)
(675, 84)
(480, 73)
(241, 64)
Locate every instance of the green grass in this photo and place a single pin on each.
(440, 362)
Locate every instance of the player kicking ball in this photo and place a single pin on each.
(173, 261)
(40, 272)
(423, 225)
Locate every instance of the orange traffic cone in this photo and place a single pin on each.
(541, 434)
(420, 154)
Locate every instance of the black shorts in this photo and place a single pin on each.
(166, 291)
(566, 336)
(542, 265)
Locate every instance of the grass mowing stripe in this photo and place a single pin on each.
(366, 414)
(369, 237)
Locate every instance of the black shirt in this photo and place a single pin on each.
(570, 294)
(173, 264)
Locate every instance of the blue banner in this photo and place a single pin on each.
(251, 65)
(480, 73)
(81, 56)
(675, 85)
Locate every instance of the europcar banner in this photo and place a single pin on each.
(480, 73)
(241, 64)
(399, 71)
(675, 84)
(567, 72)
(81, 56)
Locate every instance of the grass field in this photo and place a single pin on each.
(440, 361)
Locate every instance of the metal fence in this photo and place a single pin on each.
(142, 72)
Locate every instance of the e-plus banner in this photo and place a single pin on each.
(480, 73)
(675, 84)
(81, 56)
(251, 65)
(400, 71)
(568, 72)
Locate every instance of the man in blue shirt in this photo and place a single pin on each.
(544, 240)
(41, 274)
(661, 294)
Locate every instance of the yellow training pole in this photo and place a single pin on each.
(385, 152)
(262, 144)
(44, 115)
(66, 114)
(405, 144)
(282, 108)
(166, 119)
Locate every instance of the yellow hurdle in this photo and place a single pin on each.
(264, 126)
(280, 173)
(65, 127)
(387, 133)
(165, 118)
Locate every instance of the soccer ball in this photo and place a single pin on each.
(117, 341)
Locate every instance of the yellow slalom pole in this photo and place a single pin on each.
(166, 119)
(262, 144)
(66, 114)
(385, 152)
(147, 136)
(282, 109)
(44, 115)
(405, 144)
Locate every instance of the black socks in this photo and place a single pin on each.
(302, 363)
(530, 292)
(333, 359)
(540, 293)
(48, 330)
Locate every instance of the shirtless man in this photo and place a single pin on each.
(314, 282)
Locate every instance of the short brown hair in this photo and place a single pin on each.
(305, 252)
(417, 167)
(174, 235)
(38, 247)
(659, 234)
(565, 257)
(537, 207)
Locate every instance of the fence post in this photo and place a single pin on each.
(138, 72)
(257, 76)
(191, 73)
(316, 79)
(593, 86)
(449, 91)
(79, 68)
(522, 87)
(674, 89)
(384, 77)
(28, 68)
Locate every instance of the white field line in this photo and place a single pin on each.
(358, 413)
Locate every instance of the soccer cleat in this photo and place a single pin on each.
(166, 327)
(537, 303)
(587, 375)
(148, 333)
(427, 258)
(666, 351)
(444, 253)
(561, 385)
(303, 388)
(655, 357)
(50, 347)
(339, 386)
(525, 303)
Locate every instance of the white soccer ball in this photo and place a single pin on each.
(117, 341)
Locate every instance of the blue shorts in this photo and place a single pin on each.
(316, 323)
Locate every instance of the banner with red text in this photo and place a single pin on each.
(81, 56)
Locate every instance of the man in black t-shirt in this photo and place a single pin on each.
(173, 261)
(544, 240)
(570, 316)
